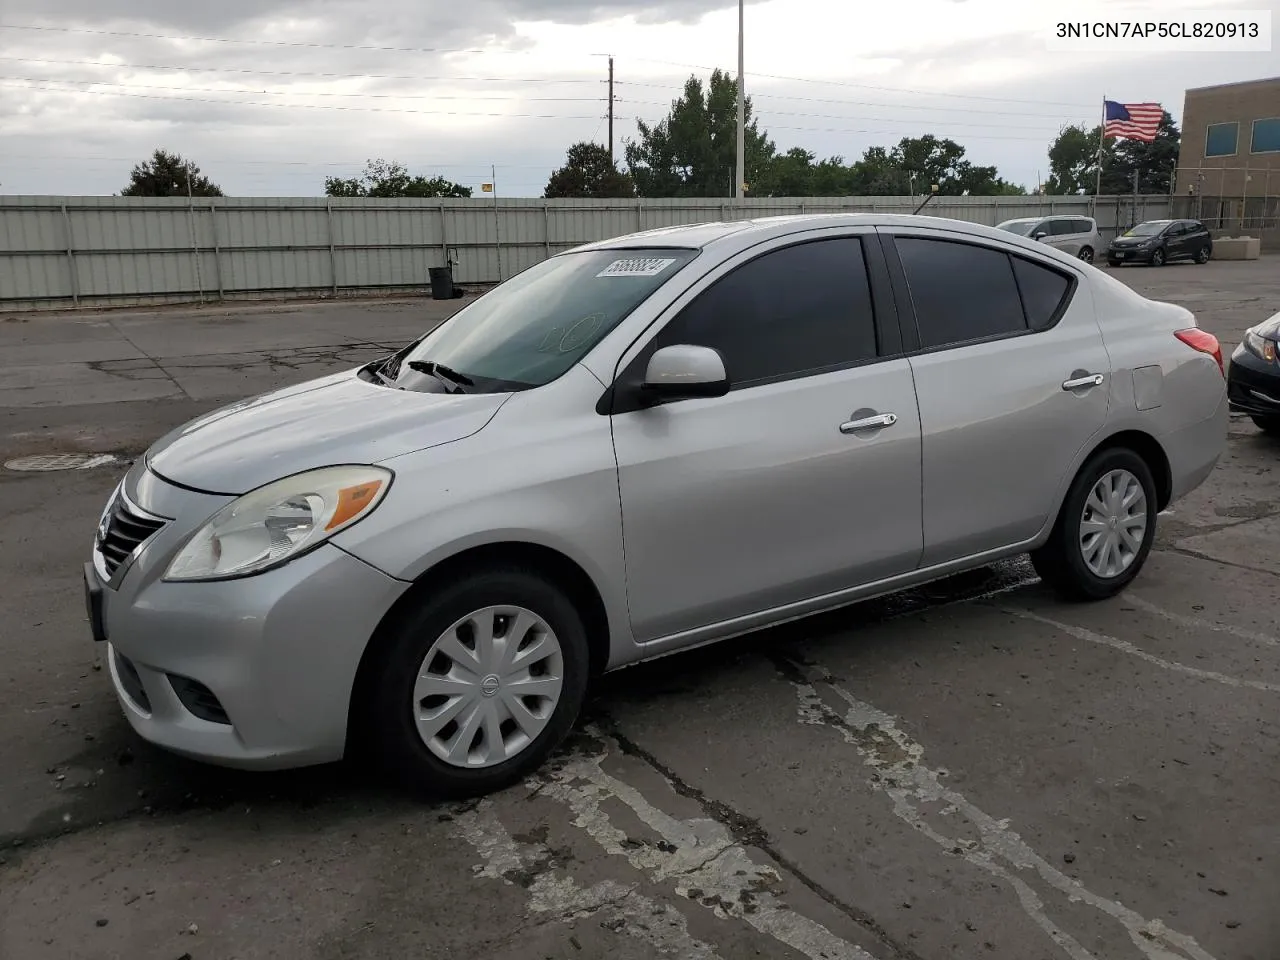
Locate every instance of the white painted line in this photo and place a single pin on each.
(1124, 646)
(1001, 852)
(562, 898)
(1198, 623)
(703, 859)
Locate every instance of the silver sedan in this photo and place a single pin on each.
(628, 449)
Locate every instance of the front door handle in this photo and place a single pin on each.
(1092, 380)
(876, 422)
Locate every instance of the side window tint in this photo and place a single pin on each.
(961, 291)
(1084, 226)
(1042, 289)
(787, 312)
(1063, 227)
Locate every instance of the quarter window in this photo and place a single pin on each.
(1220, 139)
(961, 292)
(1043, 291)
(797, 310)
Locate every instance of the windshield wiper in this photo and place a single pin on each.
(441, 372)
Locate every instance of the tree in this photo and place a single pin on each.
(1073, 161)
(588, 172)
(386, 178)
(692, 152)
(941, 161)
(169, 175)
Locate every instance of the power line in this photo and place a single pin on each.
(388, 49)
(301, 73)
(451, 113)
(301, 93)
(407, 161)
(870, 103)
(300, 106)
(256, 42)
(834, 116)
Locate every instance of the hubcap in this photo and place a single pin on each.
(1086, 255)
(1113, 525)
(488, 686)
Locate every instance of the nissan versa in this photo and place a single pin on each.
(628, 449)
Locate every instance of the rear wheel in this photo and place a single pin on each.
(1086, 254)
(1157, 257)
(1268, 424)
(478, 684)
(1105, 529)
(1203, 254)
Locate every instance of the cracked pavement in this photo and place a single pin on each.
(969, 770)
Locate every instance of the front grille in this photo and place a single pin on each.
(199, 699)
(131, 682)
(126, 531)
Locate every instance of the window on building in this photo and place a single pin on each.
(1221, 139)
(1266, 136)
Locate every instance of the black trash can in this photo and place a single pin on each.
(441, 283)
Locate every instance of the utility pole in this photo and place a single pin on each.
(611, 109)
(742, 110)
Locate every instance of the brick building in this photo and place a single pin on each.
(1229, 160)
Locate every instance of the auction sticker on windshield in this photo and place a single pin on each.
(637, 267)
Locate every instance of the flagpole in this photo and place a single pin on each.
(1102, 140)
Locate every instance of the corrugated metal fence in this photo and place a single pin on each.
(57, 252)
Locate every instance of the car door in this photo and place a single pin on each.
(1012, 379)
(804, 479)
(1065, 235)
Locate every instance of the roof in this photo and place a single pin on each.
(1230, 86)
(745, 233)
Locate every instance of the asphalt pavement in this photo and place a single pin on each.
(972, 770)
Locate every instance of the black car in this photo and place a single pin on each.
(1159, 241)
(1253, 379)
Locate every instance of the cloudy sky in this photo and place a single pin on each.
(271, 96)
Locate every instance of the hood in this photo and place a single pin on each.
(1269, 328)
(1132, 241)
(333, 420)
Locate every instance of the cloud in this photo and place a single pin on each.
(512, 84)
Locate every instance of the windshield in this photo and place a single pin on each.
(1020, 227)
(1148, 229)
(531, 329)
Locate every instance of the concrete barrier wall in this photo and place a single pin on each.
(59, 252)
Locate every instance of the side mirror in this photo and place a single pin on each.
(1039, 235)
(683, 371)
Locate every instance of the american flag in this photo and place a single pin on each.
(1137, 121)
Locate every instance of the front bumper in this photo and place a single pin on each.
(1129, 255)
(254, 673)
(1253, 384)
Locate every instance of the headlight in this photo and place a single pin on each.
(1260, 346)
(280, 521)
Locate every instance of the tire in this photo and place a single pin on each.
(394, 710)
(1157, 257)
(1061, 562)
(1113, 263)
(1267, 424)
(1203, 254)
(1086, 254)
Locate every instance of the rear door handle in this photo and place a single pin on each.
(1092, 380)
(879, 421)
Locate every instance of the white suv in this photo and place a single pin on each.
(1077, 236)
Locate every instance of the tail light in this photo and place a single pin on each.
(1205, 342)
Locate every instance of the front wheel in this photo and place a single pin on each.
(1086, 254)
(1157, 257)
(1113, 263)
(1104, 530)
(1267, 424)
(477, 685)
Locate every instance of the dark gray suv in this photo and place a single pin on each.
(1156, 242)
